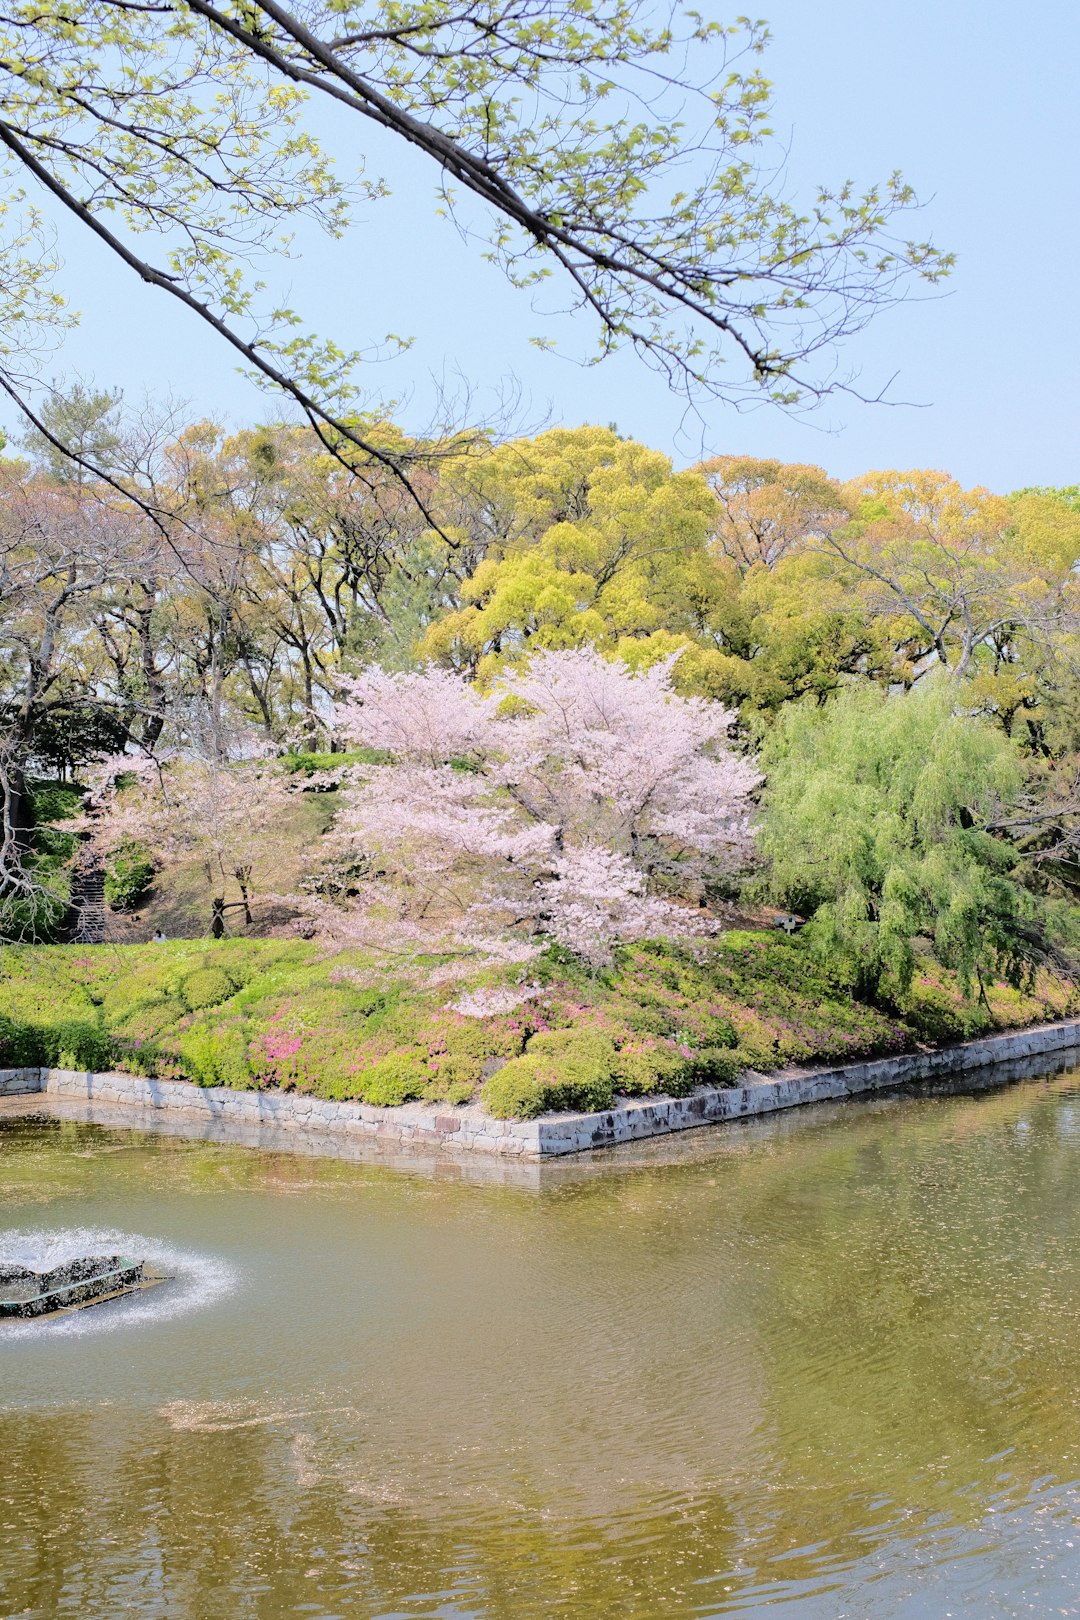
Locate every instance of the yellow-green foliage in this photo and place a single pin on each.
(934, 1009)
(129, 872)
(215, 1054)
(648, 1065)
(281, 1015)
(583, 1068)
(206, 987)
(873, 822)
(606, 546)
(386, 1083)
(562, 1069)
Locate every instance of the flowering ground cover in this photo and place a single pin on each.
(288, 1015)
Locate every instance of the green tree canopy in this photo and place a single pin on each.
(875, 824)
(83, 419)
(589, 540)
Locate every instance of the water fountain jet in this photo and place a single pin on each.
(26, 1291)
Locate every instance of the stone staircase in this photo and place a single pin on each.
(88, 924)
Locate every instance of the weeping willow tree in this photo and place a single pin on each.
(878, 825)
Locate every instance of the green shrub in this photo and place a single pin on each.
(515, 1092)
(313, 764)
(126, 992)
(393, 1081)
(644, 1067)
(152, 1018)
(458, 1091)
(935, 1016)
(299, 1022)
(206, 987)
(143, 1057)
(341, 1087)
(713, 1066)
(22, 1045)
(665, 992)
(370, 1002)
(215, 1055)
(456, 1071)
(66, 1044)
(454, 1036)
(574, 1046)
(757, 1043)
(723, 1033)
(54, 801)
(648, 1018)
(54, 842)
(386, 1083)
(749, 1055)
(563, 1068)
(72, 1044)
(128, 874)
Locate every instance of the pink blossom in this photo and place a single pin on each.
(492, 1000)
(428, 715)
(597, 896)
(551, 806)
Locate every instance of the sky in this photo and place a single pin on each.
(974, 100)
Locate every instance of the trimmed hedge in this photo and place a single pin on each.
(70, 1043)
(206, 987)
(584, 1069)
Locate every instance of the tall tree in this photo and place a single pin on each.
(222, 817)
(966, 580)
(766, 510)
(61, 551)
(87, 421)
(588, 539)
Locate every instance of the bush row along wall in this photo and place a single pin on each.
(281, 1016)
(472, 1130)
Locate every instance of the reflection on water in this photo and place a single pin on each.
(827, 1365)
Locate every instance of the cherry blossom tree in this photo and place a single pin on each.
(574, 800)
(221, 816)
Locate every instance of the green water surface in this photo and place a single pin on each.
(827, 1366)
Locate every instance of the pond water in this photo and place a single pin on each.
(827, 1365)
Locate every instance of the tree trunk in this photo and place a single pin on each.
(243, 877)
(17, 809)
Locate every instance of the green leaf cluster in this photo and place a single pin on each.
(877, 823)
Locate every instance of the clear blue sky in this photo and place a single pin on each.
(975, 100)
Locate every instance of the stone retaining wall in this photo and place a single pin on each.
(20, 1082)
(790, 1088)
(470, 1129)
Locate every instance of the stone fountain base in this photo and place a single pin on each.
(87, 1281)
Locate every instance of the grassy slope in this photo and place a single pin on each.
(281, 1013)
(178, 900)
